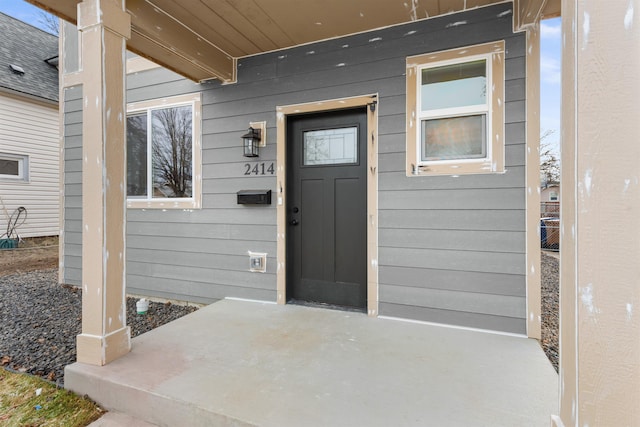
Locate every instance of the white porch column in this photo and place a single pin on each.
(600, 243)
(105, 27)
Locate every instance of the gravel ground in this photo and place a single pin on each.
(39, 321)
(550, 307)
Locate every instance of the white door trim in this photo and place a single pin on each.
(370, 101)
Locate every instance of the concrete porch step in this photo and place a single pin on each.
(134, 403)
(116, 419)
(237, 363)
(131, 407)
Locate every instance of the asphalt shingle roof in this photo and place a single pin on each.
(27, 47)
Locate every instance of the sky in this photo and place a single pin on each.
(550, 90)
(21, 10)
(549, 63)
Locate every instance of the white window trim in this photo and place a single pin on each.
(493, 53)
(23, 167)
(194, 202)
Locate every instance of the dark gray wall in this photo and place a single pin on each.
(451, 250)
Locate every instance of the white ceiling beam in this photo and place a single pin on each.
(150, 23)
(159, 37)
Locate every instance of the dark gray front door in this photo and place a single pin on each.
(327, 208)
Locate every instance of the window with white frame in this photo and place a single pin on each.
(14, 166)
(455, 117)
(163, 153)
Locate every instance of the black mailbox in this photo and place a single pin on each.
(254, 197)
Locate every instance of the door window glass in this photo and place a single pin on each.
(330, 146)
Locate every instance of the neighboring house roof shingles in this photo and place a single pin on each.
(27, 47)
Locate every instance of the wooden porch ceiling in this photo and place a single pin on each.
(201, 39)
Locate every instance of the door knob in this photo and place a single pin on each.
(293, 222)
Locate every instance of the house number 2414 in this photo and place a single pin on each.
(259, 168)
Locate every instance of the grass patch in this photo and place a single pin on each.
(57, 407)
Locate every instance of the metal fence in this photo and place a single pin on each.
(550, 225)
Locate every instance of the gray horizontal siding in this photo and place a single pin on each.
(450, 219)
(451, 248)
(492, 322)
(444, 299)
(186, 289)
(201, 274)
(467, 240)
(211, 246)
(514, 177)
(220, 215)
(72, 224)
(459, 260)
(203, 231)
(225, 185)
(192, 259)
(461, 281)
(459, 198)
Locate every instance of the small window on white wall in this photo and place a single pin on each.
(13, 166)
(553, 196)
(163, 153)
(455, 113)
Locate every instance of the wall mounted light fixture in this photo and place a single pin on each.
(255, 137)
(250, 141)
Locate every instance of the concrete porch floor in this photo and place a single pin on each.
(238, 363)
